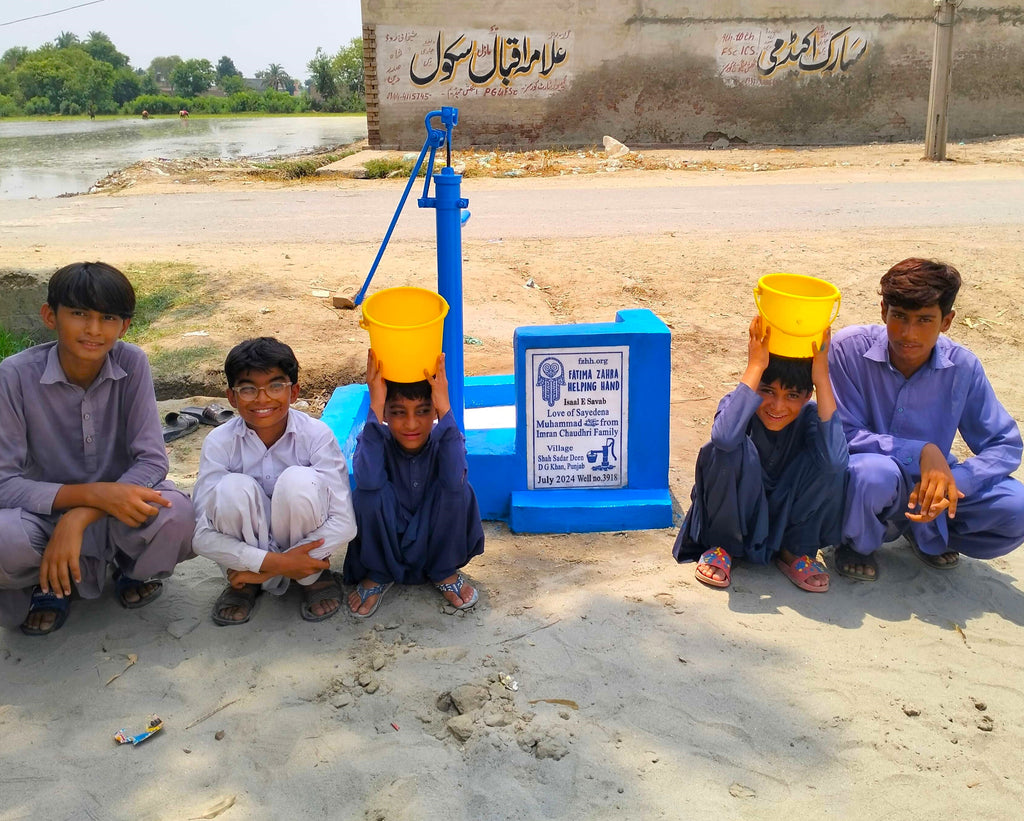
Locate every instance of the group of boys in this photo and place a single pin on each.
(783, 477)
(84, 494)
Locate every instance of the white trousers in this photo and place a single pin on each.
(239, 508)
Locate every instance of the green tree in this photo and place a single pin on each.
(192, 77)
(348, 67)
(274, 77)
(127, 85)
(100, 47)
(147, 85)
(13, 56)
(321, 71)
(161, 67)
(68, 78)
(226, 68)
(232, 84)
(66, 39)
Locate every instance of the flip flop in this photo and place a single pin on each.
(232, 597)
(213, 414)
(364, 593)
(933, 561)
(715, 557)
(123, 583)
(311, 597)
(177, 425)
(844, 554)
(801, 570)
(456, 588)
(47, 603)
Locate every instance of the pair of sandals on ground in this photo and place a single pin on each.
(48, 612)
(714, 567)
(235, 605)
(181, 423)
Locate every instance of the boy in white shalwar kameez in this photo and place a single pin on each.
(272, 499)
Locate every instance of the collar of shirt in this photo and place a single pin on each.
(243, 430)
(53, 373)
(879, 351)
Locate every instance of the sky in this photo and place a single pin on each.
(253, 33)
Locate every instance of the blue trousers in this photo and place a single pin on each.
(988, 523)
(731, 507)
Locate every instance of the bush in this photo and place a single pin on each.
(156, 104)
(8, 108)
(70, 109)
(39, 105)
(379, 169)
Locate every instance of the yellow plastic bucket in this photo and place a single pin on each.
(406, 326)
(798, 308)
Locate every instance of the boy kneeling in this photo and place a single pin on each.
(418, 516)
(272, 498)
(769, 484)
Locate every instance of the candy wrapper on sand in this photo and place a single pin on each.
(154, 726)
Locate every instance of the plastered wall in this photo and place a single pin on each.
(567, 72)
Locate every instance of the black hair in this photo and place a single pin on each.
(92, 286)
(262, 354)
(416, 391)
(791, 373)
(920, 283)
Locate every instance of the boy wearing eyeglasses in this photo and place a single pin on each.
(272, 499)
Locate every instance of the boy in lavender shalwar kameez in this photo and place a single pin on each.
(903, 392)
(417, 516)
(82, 461)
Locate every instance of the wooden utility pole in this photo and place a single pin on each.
(942, 68)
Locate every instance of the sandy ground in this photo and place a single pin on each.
(640, 693)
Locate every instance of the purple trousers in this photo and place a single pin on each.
(988, 523)
(146, 552)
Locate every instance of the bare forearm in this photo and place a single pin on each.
(825, 398)
(75, 496)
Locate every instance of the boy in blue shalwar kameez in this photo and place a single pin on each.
(769, 484)
(416, 514)
(904, 391)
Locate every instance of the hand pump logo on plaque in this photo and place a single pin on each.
(577, 417)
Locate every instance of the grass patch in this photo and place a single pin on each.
(11, 343)
(182, 360)
(296, 169)
(165, 291)
(384, 168)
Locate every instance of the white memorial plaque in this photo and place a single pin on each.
(577, 417)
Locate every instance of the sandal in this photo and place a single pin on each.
(846, 555)
(311, 594)
(123, 583)
(177, 425)
(233, 597)
(456, 588)
(802, 568)
(933, 561)
(213, 414)
(364, 593)
(715, 557)
(46, 603)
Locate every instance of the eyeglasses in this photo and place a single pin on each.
(275, 390)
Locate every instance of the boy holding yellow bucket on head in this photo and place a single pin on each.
(769, 484)
(417, 515)
(904, 390)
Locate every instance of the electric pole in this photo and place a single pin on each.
(942, 68)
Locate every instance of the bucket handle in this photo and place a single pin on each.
(757, 299)
(835, 310)
(362, 324)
